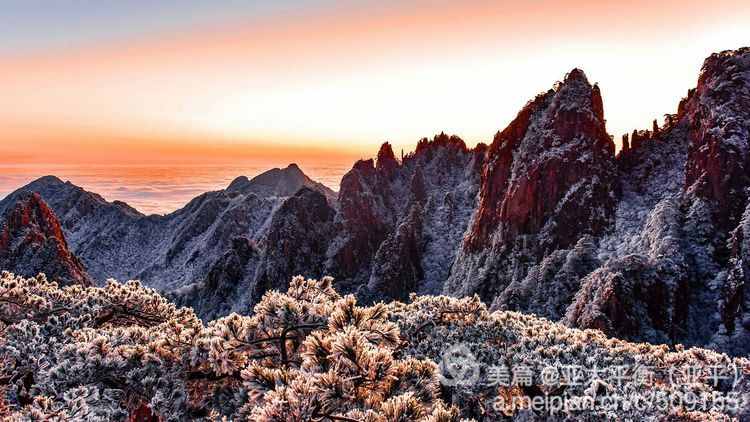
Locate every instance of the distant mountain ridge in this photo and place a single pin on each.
(169, 251)
(648, 244)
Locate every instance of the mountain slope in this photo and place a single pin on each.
(294, 243)
(550, 179)
(414, 212)
(173, 250)
(391, 216)
(32, 242)
(673, 268)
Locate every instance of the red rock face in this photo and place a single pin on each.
(143, 413)
(718, 113)
(496, 174)
(365, 211)
(32, 241)
(562, 168)
(386, 162)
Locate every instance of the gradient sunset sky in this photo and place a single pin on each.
(182, 80)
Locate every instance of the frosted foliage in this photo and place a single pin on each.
(512, 339)
(650, 191)
(560, 272)
(108, 353)
(123, 352)
(735, 334)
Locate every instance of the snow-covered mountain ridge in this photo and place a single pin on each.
(648, 244)
(116, 241)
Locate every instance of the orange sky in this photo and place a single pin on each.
(339, 80)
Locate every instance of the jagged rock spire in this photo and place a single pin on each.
(560, 133)
(718, 165)
(386, 160)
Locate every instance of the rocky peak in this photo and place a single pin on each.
(625, 143)
(239, 184)
(32, 241)
(49, 180)
(271, 180)
(386, 161)
(440, 141)
(277, 182)
(718, 114)
(449, 150)
(555, 161)
(376, 218)
(364, 166)
(65, 198)
(576, 74)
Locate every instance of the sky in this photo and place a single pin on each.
(137, 81)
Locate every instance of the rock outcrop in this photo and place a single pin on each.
(401, 223)
(550, 179)
(555, 156)
(32, 242)
(366, 217)
(673, 267)
(297, 242)
(718, 113)
(397, 265)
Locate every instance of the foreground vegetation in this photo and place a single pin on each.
(88, 353)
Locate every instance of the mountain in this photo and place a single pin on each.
(395, 229)
(648, 244)
(400, 224)
(459, 221)
(674, 266)
(550, 180)
(32, 242)
(293, 243)
(279, 183)
(170, 251)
